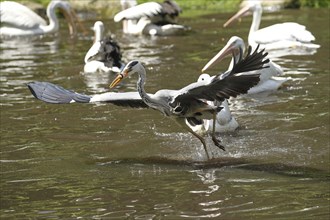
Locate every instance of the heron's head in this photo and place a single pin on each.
(131, 68)
(251, 6)
(235, 46)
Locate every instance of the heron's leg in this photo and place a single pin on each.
(214, 139)
(181, 122)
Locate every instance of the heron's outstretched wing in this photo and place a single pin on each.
(149, 9)
(235, 83)
(17, 15)
(55, 94)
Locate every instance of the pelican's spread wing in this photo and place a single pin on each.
(52, 93)
(17, 15)
(149, 9)
(230, 86)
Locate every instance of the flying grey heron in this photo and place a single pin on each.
(151, 18)
(104, 55)
(188, 104)
(269, 77)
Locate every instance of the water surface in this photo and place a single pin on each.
(106, 162)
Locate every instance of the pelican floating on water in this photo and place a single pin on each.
(104, 55)
(278, 36)
(150, 18)
(270, 79)
(18, 20)
(188, 104)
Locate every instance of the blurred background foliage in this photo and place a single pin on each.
(190, 7)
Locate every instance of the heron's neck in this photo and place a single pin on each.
(140, 87)
(255, 22)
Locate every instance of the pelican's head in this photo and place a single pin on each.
(234, 46)
(68, 13)
(251, 6)
(131, 68)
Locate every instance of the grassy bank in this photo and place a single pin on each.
(190, 8)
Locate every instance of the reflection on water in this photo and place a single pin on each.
(103, 161)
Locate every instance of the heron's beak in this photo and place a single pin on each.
(239, 14)
(220, 56)
(118, 79)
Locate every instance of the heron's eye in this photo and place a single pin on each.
(133, 63)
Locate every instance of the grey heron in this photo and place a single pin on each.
(150, 18)
(270, 79)
(104, 55)
(277, 36)
(189, 104)
(18, 20)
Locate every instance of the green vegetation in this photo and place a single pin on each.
(193, 8)
(308, 4)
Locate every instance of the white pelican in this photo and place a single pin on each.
(277, 36)
(150, 18)
(187, 104)
(269, 77)
(104, 55)
(18, 20)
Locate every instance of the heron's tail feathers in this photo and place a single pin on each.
(52, 93)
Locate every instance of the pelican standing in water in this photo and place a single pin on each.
(18, 20)
(270, 79)
(150, 18)
(104, 55)
(278, 36)
(188, 104)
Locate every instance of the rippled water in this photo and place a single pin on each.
(105, 162)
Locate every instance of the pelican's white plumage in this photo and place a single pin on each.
(18, 20)
(270, 79)
(104, 55)
(150, 18)
(277, 36)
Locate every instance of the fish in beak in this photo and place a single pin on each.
(239, 14)
(228, 49)
(119, 78)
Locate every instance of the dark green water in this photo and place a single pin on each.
(98, 161)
